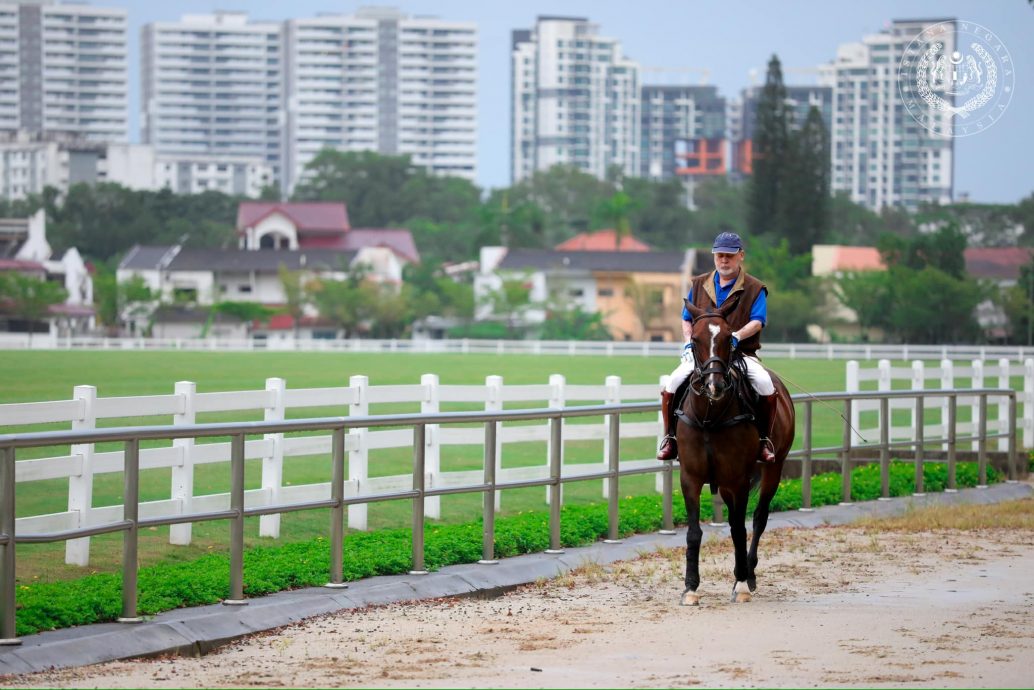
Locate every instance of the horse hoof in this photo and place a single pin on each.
(690, 599)
(741, 593)
(752, 584)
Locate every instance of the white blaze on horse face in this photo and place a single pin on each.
(714, 334)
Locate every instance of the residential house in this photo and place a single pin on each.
(24, 249)
(638, 292)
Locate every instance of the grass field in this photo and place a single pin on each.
(27, 376)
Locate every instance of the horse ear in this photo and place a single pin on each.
(695, 311)
(726, 309)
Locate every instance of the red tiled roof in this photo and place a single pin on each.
(997, 263)
(602, 240)
(398, 240)
(22, 265)
(318, 216)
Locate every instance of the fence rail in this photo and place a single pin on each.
(489, 484)
(579, 348)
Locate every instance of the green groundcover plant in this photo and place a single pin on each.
(97, 598)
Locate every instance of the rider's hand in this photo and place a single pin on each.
(735, 341)
(687, 352)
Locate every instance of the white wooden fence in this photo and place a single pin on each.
(861, 351)
(975, 374)
(84, 462)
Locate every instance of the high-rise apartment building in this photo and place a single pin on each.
(575, 100)
(672, 114)
(382, 81)
(213, 85)
(63, 71)
(881, 155)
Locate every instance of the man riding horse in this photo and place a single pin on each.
(710, 291)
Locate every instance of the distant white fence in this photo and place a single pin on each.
(975, 374)
(84, 462)
(504, 347)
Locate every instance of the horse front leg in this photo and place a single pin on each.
(737, 504)
(769, 484)
(694, 535)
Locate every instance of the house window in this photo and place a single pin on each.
(606, 292)
(243, 288)
(576, 292)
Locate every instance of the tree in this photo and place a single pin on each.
(574, 324)
(511, 301)
(868, 294)
(566, 198)
(116, 301)
(348, 303)
(803, 196)
(295, 293)
(943, 249)
(771, 140)
(29, 298)
(614, 212)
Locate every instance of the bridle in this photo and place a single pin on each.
(714, 365)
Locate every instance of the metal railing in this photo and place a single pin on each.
(132, 436)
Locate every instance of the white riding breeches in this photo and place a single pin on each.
(756, 372)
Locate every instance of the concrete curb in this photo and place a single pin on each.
(199, 630)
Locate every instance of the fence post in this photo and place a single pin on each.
(853, 386)
(1028, 403)
(557, 399)
(419, 469)
(982, 442)
(80, 487)
(131, 512)
(488, 502)
(952, 421)
(613, 436)
(1003, 404)
(845, 457)
(947, 383)
(8, 629)
(976, 381)
(1012, 438)
(555, 465)
(236, 597)
(920, 404)
(183, 472)
(432, 451)
(806, 460)
(884, 449)
(918, 384)
(884, 383)
(273, 464)
(358, 457)
(612, 384)
(337, 513)
(658, 483)
(494, 403)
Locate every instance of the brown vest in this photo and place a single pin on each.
(744, 292)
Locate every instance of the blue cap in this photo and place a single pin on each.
(727, 243)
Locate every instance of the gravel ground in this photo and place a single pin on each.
(834, 607)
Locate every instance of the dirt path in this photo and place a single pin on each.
(835, 606)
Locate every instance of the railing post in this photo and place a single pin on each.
(8, 627)
(920, 404)
(1028, 403)
(1012, 437)
(358, 457)
(273, 464)
(237, 522)
(947, 383)
(337, 513)
(982, 443)
(183, 471)
(488, 499)
(953, 413)
(717, 510)
(976, 381)
(659, 482)
(884, 383)
(612, 385)
(555, 443)
(557, 400)
(419, 448)
(80, 487)
(668, 519)
(612, 500)
(1003, 404)
(918, 384)
(432, 454)
(845, 456)
(853, 386)
(130, 543)
(806, 460)
(884, 449)
(494, 403)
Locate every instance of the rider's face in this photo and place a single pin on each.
(728, 265)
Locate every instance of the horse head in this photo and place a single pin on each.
(712, 350)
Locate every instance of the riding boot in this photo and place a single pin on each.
(669, 449)
(766, 451)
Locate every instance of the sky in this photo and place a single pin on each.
(730, 38)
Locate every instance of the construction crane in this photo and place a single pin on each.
(704, 72)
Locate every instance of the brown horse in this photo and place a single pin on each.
(718, 445)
